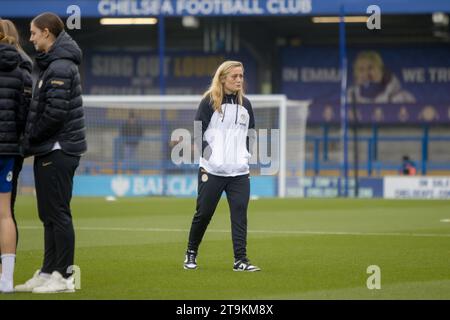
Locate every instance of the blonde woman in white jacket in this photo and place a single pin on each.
(226, 117)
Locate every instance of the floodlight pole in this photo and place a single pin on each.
(162, 92)
(161, 48)
(344, 113)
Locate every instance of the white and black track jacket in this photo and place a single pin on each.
(225, 142)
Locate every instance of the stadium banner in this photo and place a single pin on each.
(328, 187)
(136, 72)
(417, 187)
(145, 8)
(389, 85)
(156, 185)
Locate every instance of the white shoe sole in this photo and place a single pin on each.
(23, 291)
(187, 268)
(7, 292)
(62, 291)
(8, 289)
(240, 270)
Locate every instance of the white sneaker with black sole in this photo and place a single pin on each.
(244, 265)
(190, 261)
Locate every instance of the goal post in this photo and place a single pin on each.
(132, 136)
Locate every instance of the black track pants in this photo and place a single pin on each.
(53, 174)
(210, 188)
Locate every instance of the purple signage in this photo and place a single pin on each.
(128, 72)
(395, 85)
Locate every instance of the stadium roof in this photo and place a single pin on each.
(102, 8)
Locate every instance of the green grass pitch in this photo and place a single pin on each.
(133, 248)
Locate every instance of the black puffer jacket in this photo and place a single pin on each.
(26, 67)
(13, 106)
(56, 111)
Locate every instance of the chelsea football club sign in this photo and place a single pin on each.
(203, 7)
(143, 8)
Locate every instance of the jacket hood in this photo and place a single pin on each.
(9, 57)
(63, 48)
(25, 62)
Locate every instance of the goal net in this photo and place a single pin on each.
(144, 145)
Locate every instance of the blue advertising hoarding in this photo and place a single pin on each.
(186, 186)
(389, 187)
(328, 187)
(156, 185)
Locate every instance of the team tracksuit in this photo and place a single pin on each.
(224, 166)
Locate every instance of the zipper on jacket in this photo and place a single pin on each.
(224, 111)
(237, 108)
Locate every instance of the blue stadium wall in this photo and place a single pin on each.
(392, 187)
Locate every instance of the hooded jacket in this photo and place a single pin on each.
(13, 105)
(56, 110)
(225, 136)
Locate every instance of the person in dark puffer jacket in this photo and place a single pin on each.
(12, 117)
(25, 66)
(55, 135)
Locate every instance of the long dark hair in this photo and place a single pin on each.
(50, 21)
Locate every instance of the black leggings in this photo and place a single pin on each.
(18, 163)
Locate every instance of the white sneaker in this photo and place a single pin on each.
(6, 286)
(56, 284)
(34, 282)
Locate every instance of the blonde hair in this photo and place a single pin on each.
(372, 56)
(5, 36)
(216, 90)
(10, 30)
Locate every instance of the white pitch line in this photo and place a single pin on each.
(294, 232)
